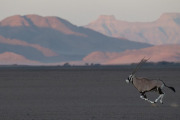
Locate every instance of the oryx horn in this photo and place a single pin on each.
(139, 64)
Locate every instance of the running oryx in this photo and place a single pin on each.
(144, 85)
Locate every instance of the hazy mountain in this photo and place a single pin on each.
(12, 58)
(52, 39)
(170, 53)
(164, 30)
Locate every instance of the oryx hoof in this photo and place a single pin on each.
(161, 101)
(152, 102)
(142, 97)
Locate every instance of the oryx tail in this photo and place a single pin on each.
(169, 87)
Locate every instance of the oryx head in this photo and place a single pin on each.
(131, 76)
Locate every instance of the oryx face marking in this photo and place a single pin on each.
(129, 79)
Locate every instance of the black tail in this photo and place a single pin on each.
(170, 88)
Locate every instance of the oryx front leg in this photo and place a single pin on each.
(150, 101)
(144, 97)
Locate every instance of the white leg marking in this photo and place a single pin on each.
(161, 98)
(142, 97)
(150, 101)
(158, 98)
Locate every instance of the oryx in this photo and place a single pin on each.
(144, 85)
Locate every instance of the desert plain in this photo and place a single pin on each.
(36, 93)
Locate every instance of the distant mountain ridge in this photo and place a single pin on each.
(169, 53)
(164, 30)
(52, 39)
(39, 21)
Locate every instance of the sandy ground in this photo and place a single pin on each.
(76, 94)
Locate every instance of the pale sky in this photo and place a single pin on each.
(81, 12)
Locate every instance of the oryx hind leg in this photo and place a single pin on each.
(160, 96)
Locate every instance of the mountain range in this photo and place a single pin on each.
(34, 39)
(157, 53)
(164, 30)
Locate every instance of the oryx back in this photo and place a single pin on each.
(144, 84)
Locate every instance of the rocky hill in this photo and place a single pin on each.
(164, 30)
